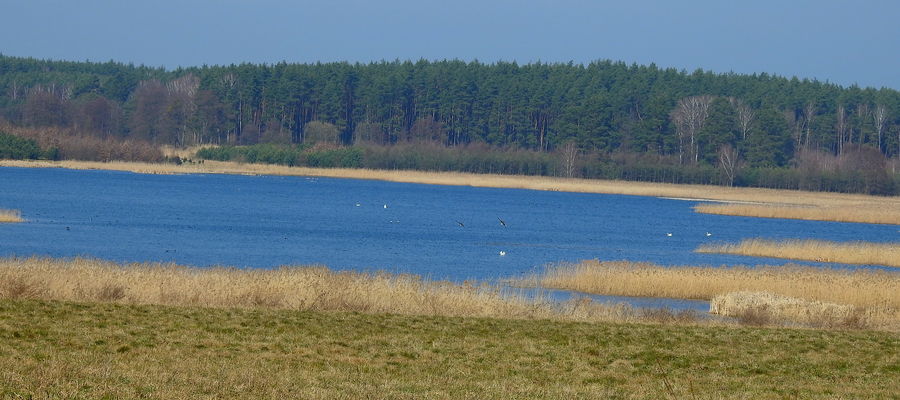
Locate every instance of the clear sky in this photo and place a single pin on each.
(844, 42)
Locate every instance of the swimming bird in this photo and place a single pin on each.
(385, 206)
(460, 224)
(708, 234)
(357, 204)
(669, 234)
(502, 253)
(501, 222)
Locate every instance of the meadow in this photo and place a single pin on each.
(871, 296)
(10, 216)
(813, 250)
(61, 349)
(793, 203)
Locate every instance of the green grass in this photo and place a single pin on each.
(91, 350)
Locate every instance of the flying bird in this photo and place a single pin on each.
(501, 221)
(502, 253)
(460, 224)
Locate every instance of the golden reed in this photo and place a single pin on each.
(10, 216)
(879, 213)
(298, 288)
(874, 291)
(887, 254)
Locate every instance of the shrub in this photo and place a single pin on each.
(16, 148)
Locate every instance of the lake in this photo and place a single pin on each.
(439, 232)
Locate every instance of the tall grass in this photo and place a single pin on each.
(874, 291)
(813, 250)
(10, 216)
(873, 215)
(761, 308)
(297, 288)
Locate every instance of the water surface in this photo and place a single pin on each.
(267, 221)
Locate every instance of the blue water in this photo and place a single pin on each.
(267, 221)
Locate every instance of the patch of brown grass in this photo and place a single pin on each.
(873, 290)
(887, 254)
(876, 213)
(10, 216)
(763, 308)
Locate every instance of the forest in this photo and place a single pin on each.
(604, 119)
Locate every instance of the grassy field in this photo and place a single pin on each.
(10, 216)
(872, 293)
(885, 209)
(51, 349)
(813, 250)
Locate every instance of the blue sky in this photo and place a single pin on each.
(839, 41)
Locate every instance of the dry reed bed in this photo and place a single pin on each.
(874, 292)
(761, 308)
(298, 288)
(831, 201)
(887, 254)
(883, 214)
(10, 216)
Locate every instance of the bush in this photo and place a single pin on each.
(16, 148)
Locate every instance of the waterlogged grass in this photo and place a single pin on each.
(10, 216)
(867, 213)
(51, 349)
(882, 209)
(872, 294)
(887, 254)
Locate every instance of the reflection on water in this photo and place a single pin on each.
(439, 232)
(701, 306)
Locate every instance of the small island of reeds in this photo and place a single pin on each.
(887, 254)
(10, 216)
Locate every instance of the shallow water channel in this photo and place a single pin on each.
(438, 232)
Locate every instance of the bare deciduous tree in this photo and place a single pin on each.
(728, 161)
(745, 116)
(880, 117)
(840, 129)
(862, 114)
(689, 117)
(809, 113)
(569, 153)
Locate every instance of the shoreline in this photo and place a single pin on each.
(685, 192)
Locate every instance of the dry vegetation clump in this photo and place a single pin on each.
(10, 216)
(763, 308)
(887, 254)
(874, 291)
(883, 214)
(297, 288)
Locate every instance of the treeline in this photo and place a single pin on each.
(840, 174)
(668, 124)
